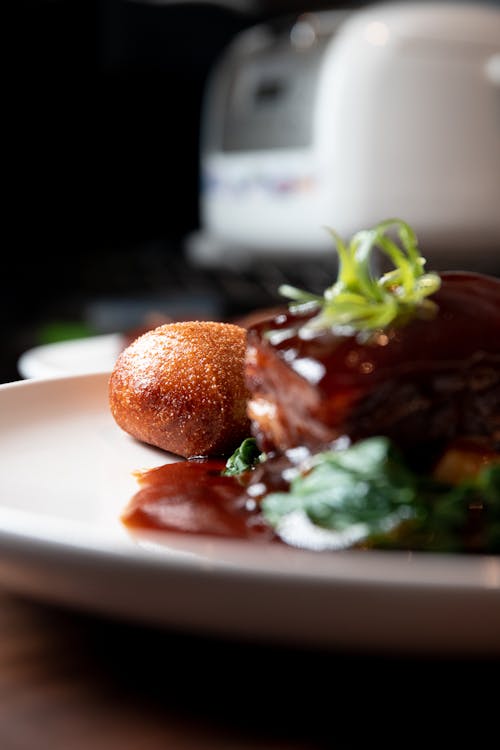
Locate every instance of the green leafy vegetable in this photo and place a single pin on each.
(357, 492)
(366, 495)
(243, 459)
(362, 302)
(449, 524)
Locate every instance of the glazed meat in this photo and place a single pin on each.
(423, 384)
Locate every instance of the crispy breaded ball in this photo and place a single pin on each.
(181, 387)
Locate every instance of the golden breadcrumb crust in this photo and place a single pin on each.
(181, 387)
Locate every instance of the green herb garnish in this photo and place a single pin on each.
(366, 495)
(243, 459)
(360, 301)
(355, 493)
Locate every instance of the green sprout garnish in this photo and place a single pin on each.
(360, 301)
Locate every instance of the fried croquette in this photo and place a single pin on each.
(180, 387)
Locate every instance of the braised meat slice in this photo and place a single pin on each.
(423, 384)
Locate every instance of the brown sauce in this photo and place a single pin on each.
(193, 497)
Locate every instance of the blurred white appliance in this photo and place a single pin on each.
(344, 118)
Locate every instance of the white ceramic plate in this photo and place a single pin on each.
(65, 476)
(75, 357)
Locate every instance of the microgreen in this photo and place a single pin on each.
(358, 299)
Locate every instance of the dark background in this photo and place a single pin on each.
(103, 117)
(102, 109)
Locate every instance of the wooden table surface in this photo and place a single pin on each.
(75, 681)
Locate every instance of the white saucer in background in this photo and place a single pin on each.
(74, 357)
